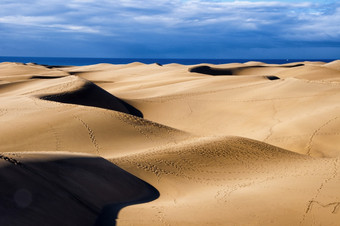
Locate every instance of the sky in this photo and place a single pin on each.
(222, 29)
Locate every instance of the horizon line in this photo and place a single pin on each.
(169, 58)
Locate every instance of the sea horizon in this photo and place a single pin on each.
(81, 61)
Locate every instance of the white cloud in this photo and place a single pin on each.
(46, 22)
(314, 25)
(287, 20)
(74, 28)
(28, 20)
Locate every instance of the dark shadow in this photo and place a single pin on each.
(111, 211)
(272, 77)
(131, 110)
(92, 95)
(66, 191)
(56, 66)
(77, 73)
(204, 69)
(210, 71)
(45, 77)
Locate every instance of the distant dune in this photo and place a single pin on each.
(139, 144)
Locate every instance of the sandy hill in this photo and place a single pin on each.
(231, 144)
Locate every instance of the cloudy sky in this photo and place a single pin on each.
(171, 28)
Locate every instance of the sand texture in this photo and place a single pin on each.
(138, 144)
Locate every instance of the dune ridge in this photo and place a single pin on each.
(86, 93)
(230, 144)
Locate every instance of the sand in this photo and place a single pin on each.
(138, 144)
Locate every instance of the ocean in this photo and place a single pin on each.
(68, 61)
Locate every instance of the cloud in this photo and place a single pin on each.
(47, 22)
(27, 20)
(195, 22)
(136, 14)
(317, 25)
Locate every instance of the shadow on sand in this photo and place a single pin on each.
(43, 189)
(92, 95)
(207, 70)
(109, 213)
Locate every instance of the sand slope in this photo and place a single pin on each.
(232, 144)
(233, 181)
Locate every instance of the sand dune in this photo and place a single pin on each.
(255, 145)
(18, 71)
(83, 92)
(334, 65)
(231, 181)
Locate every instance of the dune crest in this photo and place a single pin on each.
(82, 92)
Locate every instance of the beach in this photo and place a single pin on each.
(149, 144)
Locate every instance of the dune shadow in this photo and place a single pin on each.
(67, 191)
(45, 77)
(77, 73)
(110, 211)
(92, 95)
(272, 77)
(205, 69)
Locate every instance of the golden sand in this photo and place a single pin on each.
(137, 144)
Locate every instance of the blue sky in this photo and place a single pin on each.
(171, 28)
